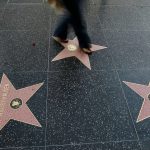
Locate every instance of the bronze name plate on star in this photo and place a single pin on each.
(3, 98)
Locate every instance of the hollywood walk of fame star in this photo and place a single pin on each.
(13, 103)
(143, 91)
(72, 49)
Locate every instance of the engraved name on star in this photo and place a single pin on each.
(144, 92)
(72, 49)
(13, 103)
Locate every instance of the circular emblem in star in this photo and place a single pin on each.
(72, 47)
(16, 103)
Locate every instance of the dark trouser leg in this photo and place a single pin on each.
(73, 6)
(62, 29)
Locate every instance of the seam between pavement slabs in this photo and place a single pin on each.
(84, 70)
(130, 114)
(3, 9)
(129, 109)
(25, 4)
(49, 46)
(73, 144)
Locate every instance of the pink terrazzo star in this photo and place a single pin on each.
(143, 91)
(13, 103)
(71, 49)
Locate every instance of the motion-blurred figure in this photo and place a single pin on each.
(75, 19)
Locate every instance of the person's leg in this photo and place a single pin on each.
(62, 29)
(73, 6)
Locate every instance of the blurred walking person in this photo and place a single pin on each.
(74, 18)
